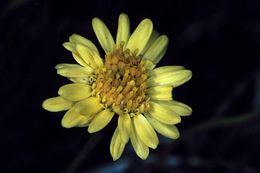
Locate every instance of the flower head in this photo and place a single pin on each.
(125, 83)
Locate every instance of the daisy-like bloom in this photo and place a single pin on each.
(124, 84)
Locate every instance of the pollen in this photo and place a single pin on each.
(121, 83)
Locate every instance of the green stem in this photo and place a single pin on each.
(83, 153)
(222, 122)
(212, 123)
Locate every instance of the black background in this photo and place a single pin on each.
(218, 40)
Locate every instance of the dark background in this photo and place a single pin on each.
(218, 40)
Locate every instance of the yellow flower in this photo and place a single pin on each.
(125, 83)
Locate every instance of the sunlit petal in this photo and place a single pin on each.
(56, 104)
(167, 130)
(103, 35)
(72, 118)
(173, 78)
(160, 92)
(116, 145)
(100, 120)
(77, 39)
(89, 106)
(145, 131)
(178, 107)
(163, 113)
(75, 92)
(123, 30)
(140, 148)
(124, 126)
(140, 36)
(157, 49)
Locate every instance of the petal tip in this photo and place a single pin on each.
(91, 130)
(65, 123)
(147, 21)
(115, 158)
(68, 45)
(96, 20)
(123, 15)
(189, 75)
(44, 105)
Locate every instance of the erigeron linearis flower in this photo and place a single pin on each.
(125, 83)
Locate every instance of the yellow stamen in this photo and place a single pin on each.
(121, 83)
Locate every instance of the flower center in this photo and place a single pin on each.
(121, 83)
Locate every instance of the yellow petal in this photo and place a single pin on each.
(75, 92)
(87, 71)
(178, 107)
(100, 120)
(72, 47)
(157, 49)
(124, 126)
(69, 46)
(145, 131)
(89, 106)
(123, 30)
(98, 60)
(65, 65)
(80, 74)
(79, 59)
(169, 131)
(164, 70)
(82, 80)
(76, 39)
(116, 145)
(147, 64)
(173, 78)
(89, 56)
(83, 124)
(56, 104)
(140, 36)
(163, 113)
(160, 92)
(75, 71)
(85, 54)
(103, 35)
(152, 38)
(74, 119)
(140, 148)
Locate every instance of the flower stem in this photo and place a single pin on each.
(83, 153)
(222, 122)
